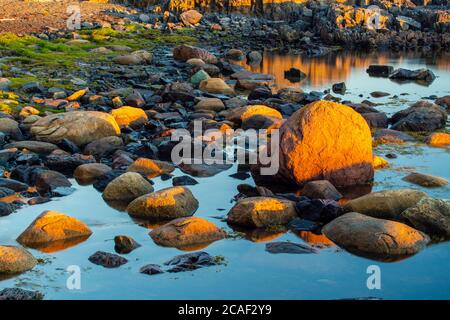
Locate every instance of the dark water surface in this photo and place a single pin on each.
(250, 272)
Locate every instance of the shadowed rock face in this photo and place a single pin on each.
(80, 127)
(326, 141)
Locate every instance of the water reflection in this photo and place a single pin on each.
(334, 67)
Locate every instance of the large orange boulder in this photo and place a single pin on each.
(15, 260)
(326, 141)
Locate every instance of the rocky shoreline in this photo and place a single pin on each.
(100, 105)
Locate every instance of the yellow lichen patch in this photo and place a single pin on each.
(129, 116)
(53, 226)
(438, 139)
(271, 204)
(379, 162)
(151, 168)
(77, 95)
(28, 111)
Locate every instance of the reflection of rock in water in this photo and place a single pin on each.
(58, 245)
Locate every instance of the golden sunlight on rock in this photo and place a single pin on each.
(380, 162)
(326, 141)
(317, 240)
(187, 232)
(257, 212)
(438, 139)
(53, 226)
(150, 168)
(129, 116)
(165, 204)
(238, 115)
(215, 85)
(377, 238)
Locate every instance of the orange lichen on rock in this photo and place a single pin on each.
(187, 232)
(238, 115)
(129, 116)
(438, 139)
(326, 141)
(258, 212)
(165, 204)
(53, 226)
(151, 168)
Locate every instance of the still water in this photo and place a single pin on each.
(250, 272)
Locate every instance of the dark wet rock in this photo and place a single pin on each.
(15, 260)
(39, 147)
(320, 189)
(376, 119)
(421, 75)
(68, 146)
(379, 70)
(12, 184)
(299, 224)
(190, 261)
(431, 216)
(102, 181)
(135, 100)
(127, 187)
(386, 204)
(203, 169)
(292, 95)
(240, 175)
(165, 204)
(258, 212)
(151, 168)
(260, 93)
(4, 192)
(20, 294)
(178, 91)
(151, 269)
(10, 128)
(318, 209)
(339, 88)
(125, 244)
(392, 136)
(103, 146)
(48, 181)
(377, 238)
(426, 180)
(38, 200)
(235, 54)
(294, 75)
(65, 163)
(89, 172)
(289, 247)
(186, 233)
(379, 94)
(421, 116)
(107, 260)
(184, 181)
(259, 121)
(5, 209)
